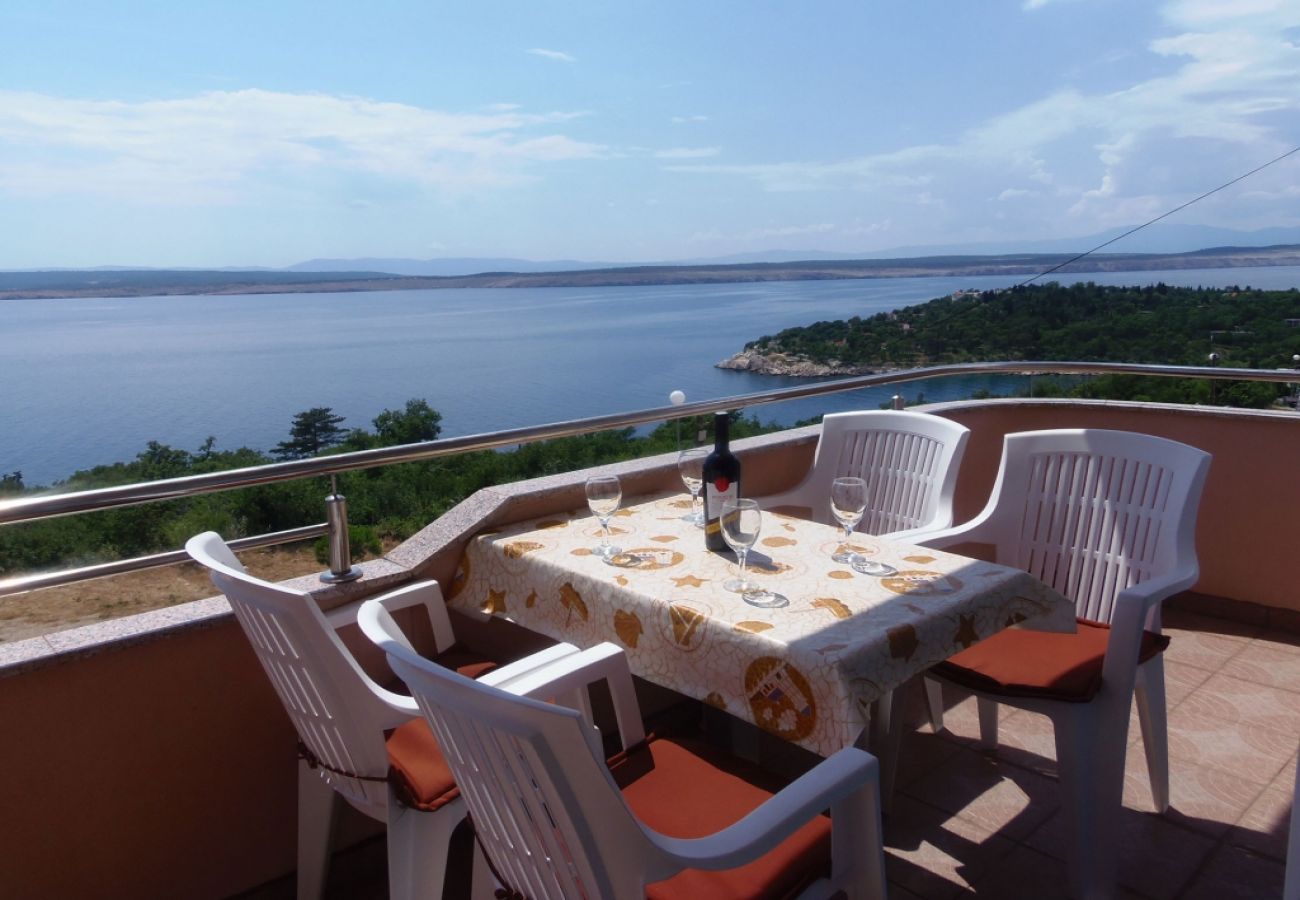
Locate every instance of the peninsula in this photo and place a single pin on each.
(1085, 321)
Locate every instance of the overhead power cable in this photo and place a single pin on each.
(1159, 217)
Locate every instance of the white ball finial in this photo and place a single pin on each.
(677, 398)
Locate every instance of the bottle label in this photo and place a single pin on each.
(717, 492)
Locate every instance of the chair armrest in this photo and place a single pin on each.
(940, 538)
(847, 783)
(573, 673)
(427, 593)
(502, 676)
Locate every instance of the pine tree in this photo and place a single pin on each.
(312, 431)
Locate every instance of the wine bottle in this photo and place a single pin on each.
(721, 482)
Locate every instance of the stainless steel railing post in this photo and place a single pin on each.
(336, 516)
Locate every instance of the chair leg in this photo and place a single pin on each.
(1153, 715)
(316, 809)
(1090, 769)
(988, 712)
(934, 703)
(855, 828)
(417, 848)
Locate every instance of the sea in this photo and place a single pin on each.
(85, 382)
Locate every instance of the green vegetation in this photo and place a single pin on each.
(1154, 324)
(1159, 324)
(390, 502)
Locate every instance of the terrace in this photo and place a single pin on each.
(147, 756)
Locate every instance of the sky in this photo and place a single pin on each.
(240, 133)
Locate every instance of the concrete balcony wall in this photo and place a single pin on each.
(1245, 534)
(148, 757)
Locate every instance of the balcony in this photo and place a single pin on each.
(147, 756)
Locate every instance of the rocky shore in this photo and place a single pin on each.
(786, 364)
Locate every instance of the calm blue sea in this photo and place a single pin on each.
(91, 381)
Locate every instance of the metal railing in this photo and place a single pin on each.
(28, 509)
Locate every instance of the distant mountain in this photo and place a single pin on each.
(1160, 238)
(445, 267)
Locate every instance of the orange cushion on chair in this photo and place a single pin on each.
(684, 790)
(1050, 665)
(419, 774)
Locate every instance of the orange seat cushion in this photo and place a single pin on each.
(685, 790)
(420, 776)
(1048, 665)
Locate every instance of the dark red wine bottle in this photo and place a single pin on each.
(721, 481)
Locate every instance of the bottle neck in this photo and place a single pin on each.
(721, 432)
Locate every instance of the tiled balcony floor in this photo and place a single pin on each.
(973, 823)
(970, 823)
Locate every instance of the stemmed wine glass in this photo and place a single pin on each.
(690, 465)
(848, 503)
(741, 522)
(604, 494)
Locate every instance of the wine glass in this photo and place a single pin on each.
(848, 503)
(690, 465)
(604, 494)
(741, 522)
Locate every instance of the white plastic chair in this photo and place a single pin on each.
(342, 717)
(554, 822)
(909, 461)
(1108, 518)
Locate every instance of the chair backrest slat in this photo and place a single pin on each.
(1091, 512)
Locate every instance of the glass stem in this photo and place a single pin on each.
(742, 554)
(604, 534)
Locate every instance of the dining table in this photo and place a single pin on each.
(808, 671)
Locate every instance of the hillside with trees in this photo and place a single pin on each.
(1244, 328)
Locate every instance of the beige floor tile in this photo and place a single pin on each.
(1265, 826)
(1202, 798)
(1156, 857)
(1257, 705)
(992, 793)
(1026, 874)
(1195, 641)
(1215, 729)
(1237, 874)
(921, 754)
(1267, 663)
(937, 856)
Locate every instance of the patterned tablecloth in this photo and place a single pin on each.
(805, 672)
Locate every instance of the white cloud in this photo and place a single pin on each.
(680, 120)
(557, 55)
(1223, 101)
(687, 152)
(220, 146)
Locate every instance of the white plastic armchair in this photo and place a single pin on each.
(1108, 518)
(909, 461)
(555, 820)
(351, 729)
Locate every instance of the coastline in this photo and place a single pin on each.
(153, 283)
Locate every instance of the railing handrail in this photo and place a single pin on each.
(46, 506)
(27, 509)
